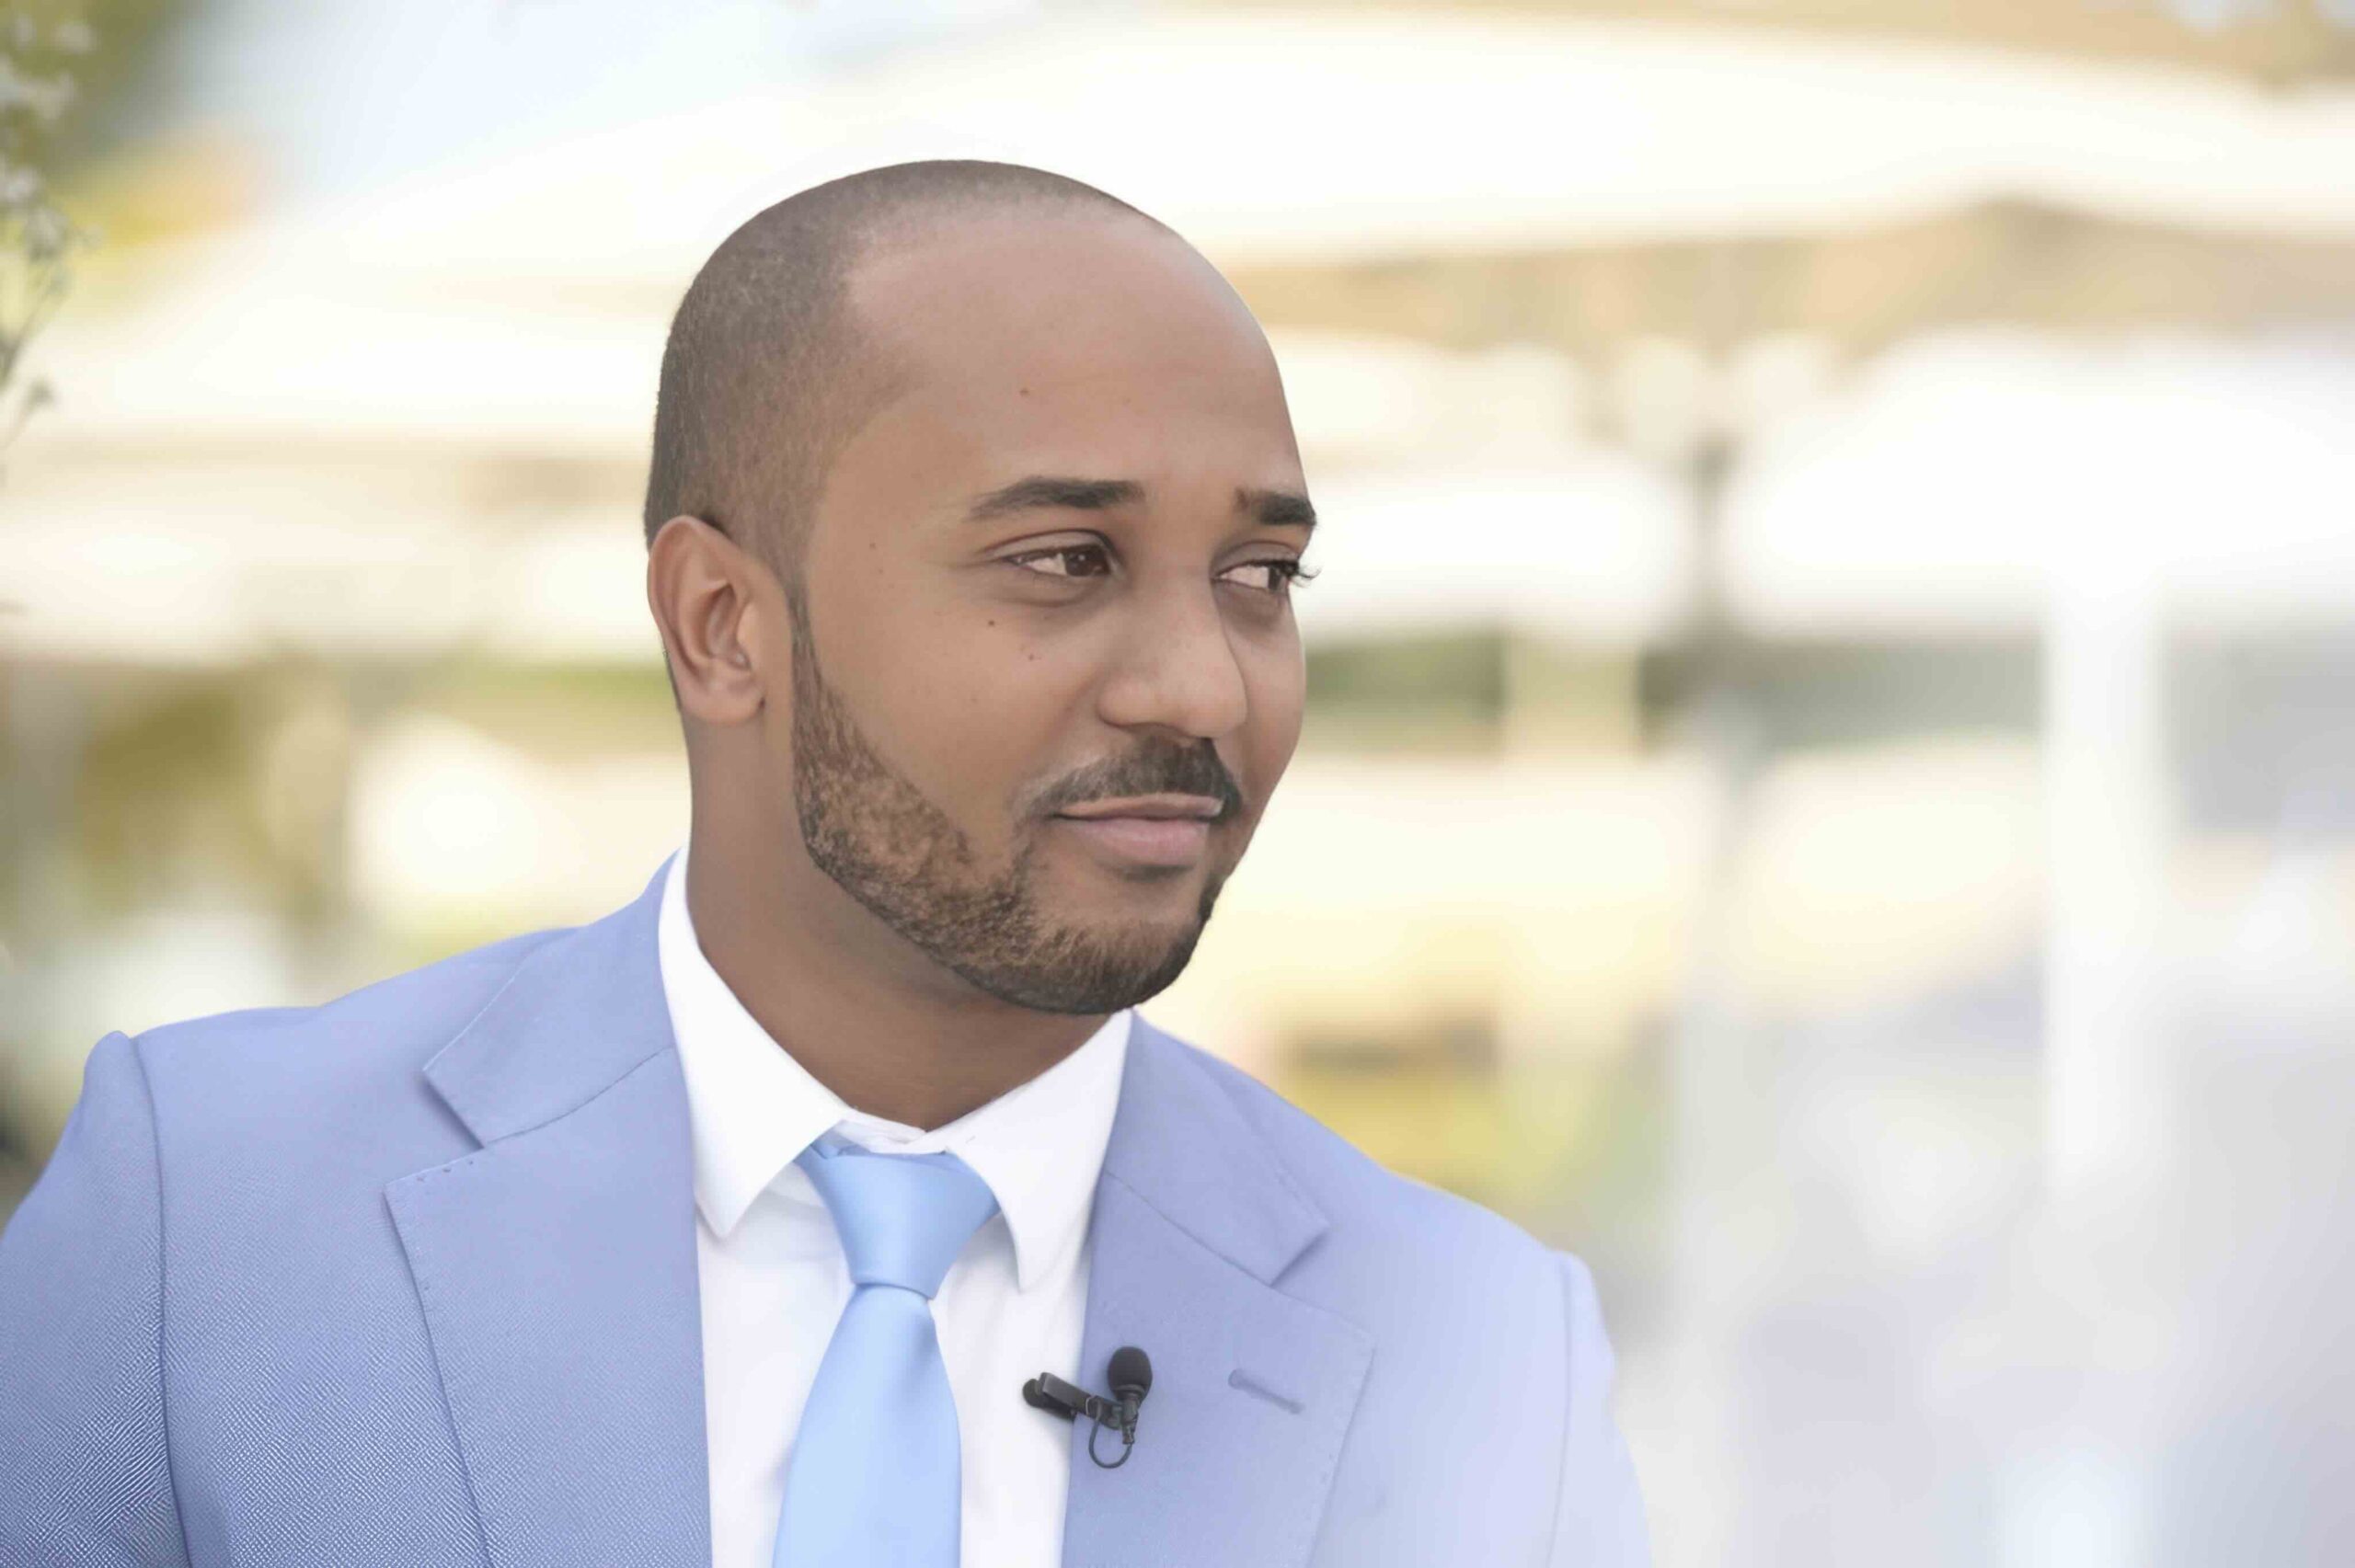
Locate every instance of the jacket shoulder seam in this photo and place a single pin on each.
(162, 1390)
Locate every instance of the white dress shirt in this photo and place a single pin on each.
(773, 1280)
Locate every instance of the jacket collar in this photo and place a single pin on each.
(557, 1268)
(1183, 1144)
(586, 1008)
(1196, 1220)
(581, 1010)
(555, 1263)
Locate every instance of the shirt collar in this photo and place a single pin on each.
(752, 1109)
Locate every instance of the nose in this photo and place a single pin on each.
(1178, 668)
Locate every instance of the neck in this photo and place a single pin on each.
(866, 1014)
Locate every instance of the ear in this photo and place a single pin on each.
(721, 615)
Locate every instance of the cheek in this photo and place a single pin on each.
(974, 707)
(1278, 700)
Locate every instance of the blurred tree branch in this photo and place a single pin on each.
(37, 86)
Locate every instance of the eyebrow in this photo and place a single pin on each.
(1045, 491)
(1271, 509)
(1278, 509)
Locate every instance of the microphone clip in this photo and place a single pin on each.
(1046, 1392)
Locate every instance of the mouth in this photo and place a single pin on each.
(1168, 841)
(1167, 805)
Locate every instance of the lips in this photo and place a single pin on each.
(1143, 841)
(1159, 807)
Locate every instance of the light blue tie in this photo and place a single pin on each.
(874, 1477)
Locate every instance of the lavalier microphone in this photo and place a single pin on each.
(1131, 1375)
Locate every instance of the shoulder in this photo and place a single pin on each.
(1477, 1327)
(1394, 1235)
(412, 1005)
(344, 1073)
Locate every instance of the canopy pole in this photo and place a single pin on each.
(2107, 832)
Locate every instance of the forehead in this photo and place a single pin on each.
(1014, 330)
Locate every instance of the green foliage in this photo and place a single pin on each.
(39, 45)
(1570, 1145)
(69, 75)
(1439, 691)
(193, 781)
(115, 75)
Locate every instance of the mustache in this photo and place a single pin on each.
(1153, 773)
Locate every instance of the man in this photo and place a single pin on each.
(728, 1229)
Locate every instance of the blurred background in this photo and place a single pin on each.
(1829, 786)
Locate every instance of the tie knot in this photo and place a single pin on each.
(903, 1217)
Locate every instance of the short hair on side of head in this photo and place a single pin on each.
(766, 374)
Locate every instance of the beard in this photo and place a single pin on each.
(888, 846)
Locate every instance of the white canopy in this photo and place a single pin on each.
(290, 431)
(1598, 549)
(1327, 135)
(1966, 477)
(525, 298)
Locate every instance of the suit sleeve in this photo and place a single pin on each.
(1599, 1518)
(85, 1476)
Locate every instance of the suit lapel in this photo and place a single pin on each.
(1253, 1390)
(555, 1265)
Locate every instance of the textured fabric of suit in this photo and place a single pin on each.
(410, 1277)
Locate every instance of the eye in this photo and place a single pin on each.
(1283, 574)
(1059, 551)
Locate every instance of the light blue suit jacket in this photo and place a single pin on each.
(410, 1278)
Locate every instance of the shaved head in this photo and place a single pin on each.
(768, 372)
(974, 520)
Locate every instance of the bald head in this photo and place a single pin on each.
(1016, 510)
(768, 370)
